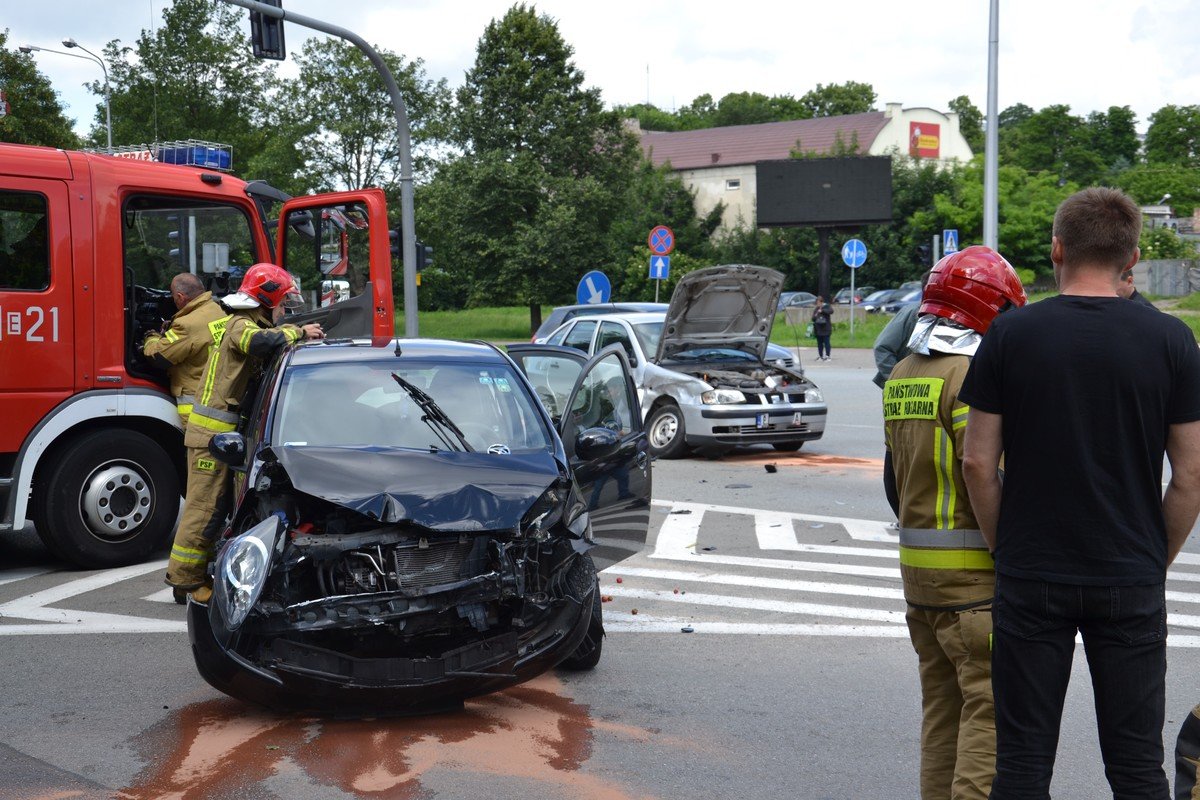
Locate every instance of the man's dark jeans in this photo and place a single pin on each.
(1124, 632)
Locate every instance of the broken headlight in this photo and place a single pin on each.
(242, 571)
(545, 512)
(718, 397)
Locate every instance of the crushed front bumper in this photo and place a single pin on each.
(741, 424)
(292, 675)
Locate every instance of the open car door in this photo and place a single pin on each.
(594, 405)
(337, 245)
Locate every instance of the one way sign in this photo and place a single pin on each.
(660, 268)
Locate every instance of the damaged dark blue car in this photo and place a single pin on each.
(417, 524)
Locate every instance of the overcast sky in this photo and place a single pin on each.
(1089, 54)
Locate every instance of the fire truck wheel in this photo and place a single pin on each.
(112, 498)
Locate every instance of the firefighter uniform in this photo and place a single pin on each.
(246, 340)
(1187, 757)
(183, 349)
(948, 575)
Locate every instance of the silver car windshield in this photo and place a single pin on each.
(361, 405)
(648, 334)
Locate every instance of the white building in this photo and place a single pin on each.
(718, 163)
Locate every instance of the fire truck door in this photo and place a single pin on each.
(337, 247)
(37, 342)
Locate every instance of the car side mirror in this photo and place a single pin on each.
(228, 448)
(596, 443)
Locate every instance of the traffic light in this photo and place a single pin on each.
(394, 243)
(424, 256)
(266, 33)
(925, 252)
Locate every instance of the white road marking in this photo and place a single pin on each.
(757, 604)
(756, 582)
(867, 530)
(14, 575)
(36, 607)
(648, 624)
(164, 596)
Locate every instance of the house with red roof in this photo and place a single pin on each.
(718, 163)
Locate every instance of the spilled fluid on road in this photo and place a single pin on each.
(817, 460)
(529, 732)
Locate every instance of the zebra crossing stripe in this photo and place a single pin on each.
(760, 604)
(757, 582)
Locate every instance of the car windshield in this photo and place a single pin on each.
(710, 354)
(361, 404)
(648, 334)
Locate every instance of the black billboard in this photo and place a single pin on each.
(824, 191)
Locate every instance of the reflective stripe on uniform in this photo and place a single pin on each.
(189, 555)
(208, 423)
(937, 558)
(957, 539)
(171, 336)
(958, 418)
(217, 414)
(249, 330)
(210, 374)
(943, 465)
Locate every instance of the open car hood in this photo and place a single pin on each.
(729, 306)
(444, 491)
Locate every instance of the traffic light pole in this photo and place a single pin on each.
(408, 239)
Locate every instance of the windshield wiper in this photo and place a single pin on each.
(433, 415)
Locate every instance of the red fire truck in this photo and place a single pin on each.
(90, 445)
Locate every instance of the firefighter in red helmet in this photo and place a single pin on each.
(945, 564)
(249, 336)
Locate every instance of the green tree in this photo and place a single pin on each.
(1174, 136)
(543, 173)
(341, 107)
(837, 99)
(1027, 202)
(35, 115)
(1112, 135)
(193, 78)
(970, 122)
(1163, 243)
(649, 117)
(1148, 183)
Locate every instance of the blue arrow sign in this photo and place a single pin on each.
(593, 288)
(949, 241)
(660, 267)
(854, 253)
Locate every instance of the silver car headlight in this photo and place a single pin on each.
(242, 570)
(717, 397)
(813, 395)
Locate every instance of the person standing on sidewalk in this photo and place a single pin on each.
(1082, 394)
(944, 562)
(822, 325)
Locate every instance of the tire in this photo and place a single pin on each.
(587, 655)
(665, 432)
(109, 498)
(787, 447)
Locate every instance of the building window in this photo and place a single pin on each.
(733, 184)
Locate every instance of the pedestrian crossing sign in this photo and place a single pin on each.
(949, 241)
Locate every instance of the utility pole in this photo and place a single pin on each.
(407, 230)
(991, 172)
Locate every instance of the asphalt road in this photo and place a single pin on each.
(797, 678)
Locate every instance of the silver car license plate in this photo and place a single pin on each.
(762, 420)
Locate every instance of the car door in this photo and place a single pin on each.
(616, 483)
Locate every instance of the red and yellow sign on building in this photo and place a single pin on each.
(924, 139)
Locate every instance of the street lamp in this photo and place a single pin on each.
(1164, 199)
(29, 48)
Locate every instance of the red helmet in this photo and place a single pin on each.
(971, 287)
(270, 285)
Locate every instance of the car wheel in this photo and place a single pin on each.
(110, 498)
(587, 655)
(665, 432)
(787, 447)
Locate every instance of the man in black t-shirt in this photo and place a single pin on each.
(1083, 393)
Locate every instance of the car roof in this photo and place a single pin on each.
(436, 350)
(633, 317)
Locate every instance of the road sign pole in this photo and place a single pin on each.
(937, 249)
(657, 283)
(852, 303)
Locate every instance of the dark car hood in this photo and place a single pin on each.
(730, 306)
(442, 491)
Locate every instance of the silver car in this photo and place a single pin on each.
(700, 370)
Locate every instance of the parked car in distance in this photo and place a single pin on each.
(776, 354)
(877, 300)
(843, 295)
(413, 528)
(796, 300)
(563, 313)
(910, 297)
(699, 368)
